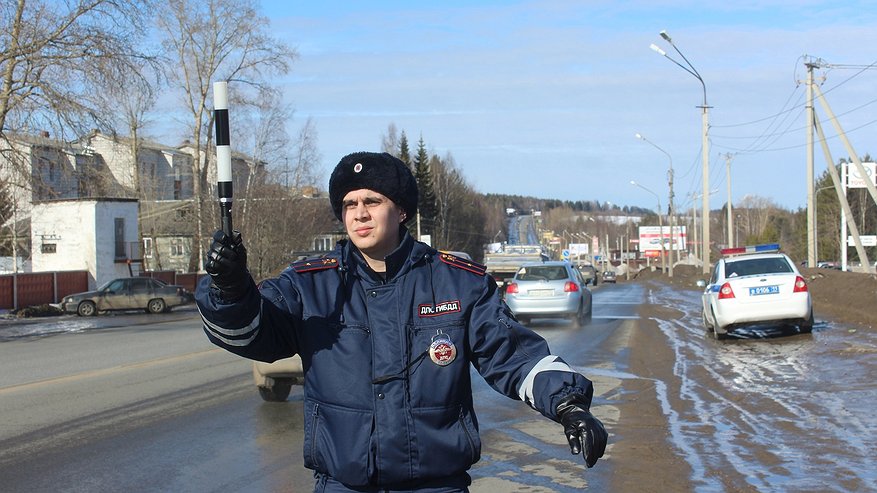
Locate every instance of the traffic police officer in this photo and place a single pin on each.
(387, 327)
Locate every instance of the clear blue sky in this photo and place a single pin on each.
(543, 98)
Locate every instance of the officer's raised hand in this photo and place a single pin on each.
(226, 263)
(584, 432)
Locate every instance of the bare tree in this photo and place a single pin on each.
(276, 215)
(306, 158)
(390, 140)
(460, 218)
(263, 136)
(49, 51)
(210, 41)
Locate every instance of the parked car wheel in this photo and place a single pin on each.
(156, 306)
(717, 334)
(86, 309)
(275, 380)
(277, 389)
(807, 326)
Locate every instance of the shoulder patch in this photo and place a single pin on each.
(462, 263)
(314, 264)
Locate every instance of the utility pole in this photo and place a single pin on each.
(728, 157)
(672, 211)
(811, 210)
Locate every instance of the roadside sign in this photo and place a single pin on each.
(564, 254)
(867, 240)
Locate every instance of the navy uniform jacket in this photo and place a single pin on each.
(378, 410)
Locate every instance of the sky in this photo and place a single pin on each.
(545, 98)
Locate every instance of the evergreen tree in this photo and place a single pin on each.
(423, 175)
(404, 153)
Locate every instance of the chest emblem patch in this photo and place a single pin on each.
(442, 308)
(442, 350)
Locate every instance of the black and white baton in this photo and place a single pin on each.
(223, 153)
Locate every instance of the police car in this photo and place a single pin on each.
(752, 285)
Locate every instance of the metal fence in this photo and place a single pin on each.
(39, 288)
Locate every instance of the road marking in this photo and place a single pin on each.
(107, 371)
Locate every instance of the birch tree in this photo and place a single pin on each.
(209, 41)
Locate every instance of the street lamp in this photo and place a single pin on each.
(671, 211)
(660, 222)
(705, 146)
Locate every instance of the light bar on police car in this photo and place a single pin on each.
(766, 248)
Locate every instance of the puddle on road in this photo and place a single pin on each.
(789, 412)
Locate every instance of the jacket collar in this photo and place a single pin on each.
(398, 261)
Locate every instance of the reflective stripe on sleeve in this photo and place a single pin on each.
(221, 332)
(548, 363)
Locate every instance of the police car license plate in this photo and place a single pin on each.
(541, 292)
(764, 290)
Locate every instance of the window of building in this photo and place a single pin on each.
(323, 243)
(120, 237)
(177, 247)
(49, 248)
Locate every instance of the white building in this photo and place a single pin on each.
(97, 235)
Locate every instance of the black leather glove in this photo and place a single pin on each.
(226, 263)
(583, 431)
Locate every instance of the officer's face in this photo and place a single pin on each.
(372, 222)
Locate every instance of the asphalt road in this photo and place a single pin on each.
(144, 403)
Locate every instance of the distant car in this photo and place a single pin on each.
(549, 290)
(589, 274)
(755, 284)
(275, 380)
(131, 293)
(609, 276)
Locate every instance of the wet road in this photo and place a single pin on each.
(153, 407)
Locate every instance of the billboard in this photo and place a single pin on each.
(856, 180)
(650, 239)
(577, 250)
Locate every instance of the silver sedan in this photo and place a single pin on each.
(549, 290)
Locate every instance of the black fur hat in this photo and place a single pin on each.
(380, 172)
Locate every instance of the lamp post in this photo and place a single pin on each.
(704, 146)
(563, 236)
(671, 211)
(660, 222)
(587, 238)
